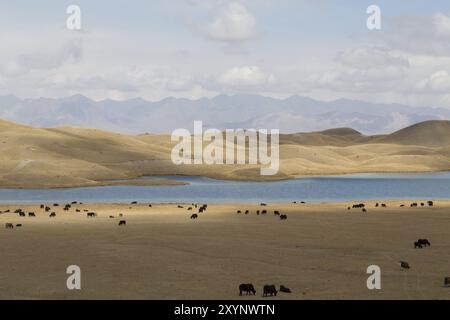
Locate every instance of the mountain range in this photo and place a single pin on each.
(290, 115)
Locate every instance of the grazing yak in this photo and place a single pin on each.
(276, 212)
(9, 226)
(21, 214)
(364, 210)
(402, 205)
(284, 289)
(359, 205)
(383, 205)
(246, 211)
(283, 217)
(180, 207)
(18, 225)
(417, 245)
(122, 223)
(194, 216)
(405, 265)
(31, 214)
(111, 217)
(134, 202)
(248, 288)
(424, 242)
(239, 211)
(52, 215)
(430, 203)
(47, 209)
(269, 290)
(447, 281)
(91, 214)
(413, 205)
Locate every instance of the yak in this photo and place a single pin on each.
(405, 265)
(284, 289)
(424, 242)
(269, 290)
(248, 288)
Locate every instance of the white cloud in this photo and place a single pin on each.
(235, 23)
(70, 53)
(442, 24)
(370, 57)
(247, 76)
(438, 82)
(362, 69)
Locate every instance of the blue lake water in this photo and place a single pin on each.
(314, 189)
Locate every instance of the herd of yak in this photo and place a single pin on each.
(268, 290)
(91, 214)
(51, 214)
(263, 212)
(383, 205)
(248, 289)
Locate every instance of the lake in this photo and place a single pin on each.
(205, 190)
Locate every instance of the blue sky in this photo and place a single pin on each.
(194, 49)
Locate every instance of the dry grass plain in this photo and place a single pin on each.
(320, 252)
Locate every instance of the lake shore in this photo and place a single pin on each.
(321, 251)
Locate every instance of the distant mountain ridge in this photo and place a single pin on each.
(294, 114)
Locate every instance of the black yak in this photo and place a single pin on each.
(424, 242)
(405, 265)
(269, 290)
(247, 288)
(284, 289)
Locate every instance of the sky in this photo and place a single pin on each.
(198, 48)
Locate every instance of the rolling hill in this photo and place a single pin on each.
(70, 156)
